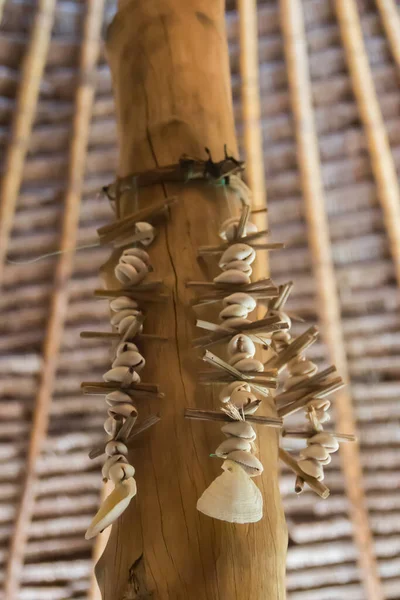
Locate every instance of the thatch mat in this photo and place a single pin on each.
(322, 557)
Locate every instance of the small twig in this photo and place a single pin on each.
(317, 487)
(220, 364)
(330, 388)
(115, 335)
(214, 415)
(284, 292)
(135, 294)
(299, 485)
(298, 345)
(304, 435)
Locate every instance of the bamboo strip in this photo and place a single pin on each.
(311, 180)
(84, 101)
(382, 161)
(389, 12)
(28, 93)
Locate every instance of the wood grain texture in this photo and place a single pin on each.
(170, 70)
(329, 306)
(59, 298)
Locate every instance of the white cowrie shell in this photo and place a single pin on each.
(282, 336)
(123, 303)
(122, 375)
(120, 471)
(232, 276)
(314, 451)
(326, 461)
(142, 226)
(115, 447)
(247, 461)
(228, 229)
(110, 426)
(126, 347)
(239, 265)
(241, 398)
(112, 460)
(233, 310)
(231, 444)
(130, 359)
(325, 439)
(302, 367)
(241, 298)
(123, 410)
(117, 397)
(112, 507)
(237, 252)
(234, 322)
(134, 261)
(127, 274)
(238, 357)
(249, 364)
(241, 343)
(312, 467)
(127, 323)
(142, 254)
(227, 390)
(121, 314)
(240, 429)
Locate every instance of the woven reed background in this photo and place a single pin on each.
(322, 556)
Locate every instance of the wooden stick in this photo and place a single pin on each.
(214, 415)
(304, 435)
(59, 300)
(28, 93)
(319, 239)
(298, 345)
(114, 335)
(391, 21)
(134, 431)
(141, 296)
(316, 486)
(326, 390)
(382, 162)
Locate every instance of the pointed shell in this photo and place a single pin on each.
(227, 390)
(111, 460)
(240, 429)
(233, 310)
(237, 252)
(120, 471)
(112, 507)
(240, 298)
(314, 451)
(123, 375)
(312, 467)
(130, 359)
(241, 343)
(231, 444)
(116, 447)
(249, 364)
(142, 226)
(123, 303)
(247, 461)
(325, 439)
(232, 276)
(232, 497)
(117, 397)
(142, 254)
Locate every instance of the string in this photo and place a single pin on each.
(50, 254)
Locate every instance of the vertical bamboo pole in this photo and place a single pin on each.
(171, 79)
(329, 306)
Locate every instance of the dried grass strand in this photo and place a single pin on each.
(54, 333)
(319, 240)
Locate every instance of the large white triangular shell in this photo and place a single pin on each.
(112, 507)
(232, 497)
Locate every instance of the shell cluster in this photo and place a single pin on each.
(233, 496)
(126, 318)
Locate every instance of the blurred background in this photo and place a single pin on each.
(322, 557)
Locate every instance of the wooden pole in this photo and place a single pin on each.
(171, 79)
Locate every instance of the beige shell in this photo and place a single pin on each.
(142, 226)
(130, 359)
(111, 460)
(120, 471)
(302, 367)
(142, 254)
(128, 275)
(232, 276)
(321, 415)
(240, 429)
(123, 410)
(126, 347)
(112, 507)
(227, 390)
(325, 439)
(314, 451)
(240, 298)
(233, 310)
(116, 447)
(127, 323)
(122, 314)
(110, 426)
(241, 343)
(240, 265)
(228, 229)
(247, 461)
(232, 497)
(236, 358)
(282, 336)
(234, 322)
(136, 262)
(242, 398)
(237, 252)
(312, 467)
(249, 364)
(117, 397)
(123, 303)
(123, 375)
(231, 444)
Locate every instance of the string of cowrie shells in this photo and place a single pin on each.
(127, 318)
(233, 496)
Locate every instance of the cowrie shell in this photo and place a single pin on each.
(126, 347)
(123, 303)
(127, 323)
(128, 275)
(228, 390)
(237, 252)
(120, 471)
(231, 444)
(232, 276)
(111, 460)
(233, 310)
(240, 298)
(240, 429)
(116, 447)
(312, 467)
(314, 451)
(121, 314)
(239, 265)
(123, 410)
(142, 254)
(110, 426)
(130, 359)
(247, 461)
(241, 343)
(325, 439)
(117, 397)
(123, 375)
(142, 226)
(249, 364)
(236, 358)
